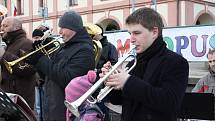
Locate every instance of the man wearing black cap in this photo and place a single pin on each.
(75, 58)
(37, 34)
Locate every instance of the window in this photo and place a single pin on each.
(73, 2)
(40, 3)
(19, 8)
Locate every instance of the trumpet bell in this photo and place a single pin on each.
(72, 108)
(8, 66)
(41, 48)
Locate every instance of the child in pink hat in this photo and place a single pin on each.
(75, 89)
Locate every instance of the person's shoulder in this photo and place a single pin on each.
(27, 40)
(205, 79)
(111, 46)
(208, 75)
(82, 44)
(174, 57)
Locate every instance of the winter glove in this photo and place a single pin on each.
(33, 59)
(39, 43)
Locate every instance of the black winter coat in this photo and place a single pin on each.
(74, 59)
(156, 87)
(109, 53)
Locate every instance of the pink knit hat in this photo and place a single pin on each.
(77, 87)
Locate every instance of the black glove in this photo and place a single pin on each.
(37, 44)
(49, 39)
(33, 59)
(40, 43)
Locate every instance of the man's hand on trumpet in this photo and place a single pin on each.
(116, 80)
(33, 59)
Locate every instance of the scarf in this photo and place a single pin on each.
(11, 37)
(143, 58)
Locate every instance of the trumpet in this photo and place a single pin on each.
(41, 48)
(106, 90)
(3, 10)
(73, 106)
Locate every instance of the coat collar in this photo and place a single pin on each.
(11, 37)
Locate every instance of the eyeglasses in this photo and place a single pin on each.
(210, 61)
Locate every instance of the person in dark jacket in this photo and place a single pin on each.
(154, 89)
(75, 58)
(39, 91)
(207, 82)
(109, 53)
(22, 79)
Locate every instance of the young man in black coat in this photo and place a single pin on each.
(75, 58)
(154, 89)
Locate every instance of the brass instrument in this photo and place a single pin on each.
(3, 10)
(41, 48)
(92, 30)
(73, 106)
(98, 50)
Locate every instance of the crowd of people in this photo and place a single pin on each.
(152, 91)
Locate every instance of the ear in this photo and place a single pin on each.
(155, 32)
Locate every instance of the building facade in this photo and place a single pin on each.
(111, 14)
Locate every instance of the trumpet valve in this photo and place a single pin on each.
(104, 92)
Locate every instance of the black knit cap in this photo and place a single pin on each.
(71, 20)
(37, 32)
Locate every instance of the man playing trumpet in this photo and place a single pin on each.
(75, 58)
(154, 89)
(22, 80)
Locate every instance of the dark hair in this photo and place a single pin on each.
(147, 17)
(43, 28)
(37, 32)
(211, 52)
(100, 28)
